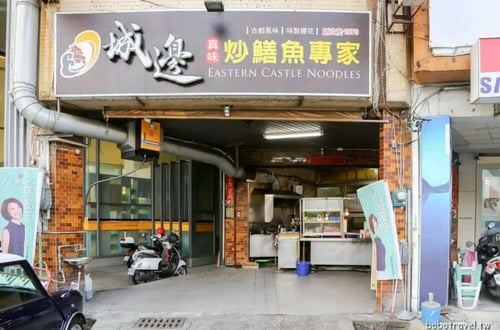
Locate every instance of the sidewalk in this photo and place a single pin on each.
(228, 298)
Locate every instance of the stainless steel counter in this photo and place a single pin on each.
(262, 246)
(340, 251)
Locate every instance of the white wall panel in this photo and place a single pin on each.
(113, 5)
(397, 82)
(466, 199)
(478, 18)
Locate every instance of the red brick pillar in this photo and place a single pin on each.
(65, 225)
(395, 167)
(236, 229)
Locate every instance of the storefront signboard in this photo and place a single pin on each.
(194, 53)
(485, 71)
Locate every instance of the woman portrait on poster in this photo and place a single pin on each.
(379, 245)
(12, 239)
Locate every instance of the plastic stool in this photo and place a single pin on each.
(467, 285)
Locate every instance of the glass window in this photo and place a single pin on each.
(124, 188)
(490, 197)
(16, 287)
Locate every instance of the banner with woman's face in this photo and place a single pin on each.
(20, 190)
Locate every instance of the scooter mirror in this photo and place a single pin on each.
(491, 225)
(469, 244)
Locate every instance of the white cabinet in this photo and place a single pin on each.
(322, 217)
(324, 228)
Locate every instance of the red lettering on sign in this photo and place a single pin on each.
(326, 160)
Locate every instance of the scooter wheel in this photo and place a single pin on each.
(182, 271)
(139, 277)
(492, 288)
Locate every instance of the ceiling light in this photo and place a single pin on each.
(292, 135)
(214, 5)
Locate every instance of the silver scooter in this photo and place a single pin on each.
(136, 249)
(150, 266)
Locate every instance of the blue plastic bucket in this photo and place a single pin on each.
(431, 313)
(303, 268)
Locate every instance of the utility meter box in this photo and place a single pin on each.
(398, 198)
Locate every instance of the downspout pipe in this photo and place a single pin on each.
(24, 83)
(24, 89)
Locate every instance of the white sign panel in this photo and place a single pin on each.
(485, 71)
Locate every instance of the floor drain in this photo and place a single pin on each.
(169, 323)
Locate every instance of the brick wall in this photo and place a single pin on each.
(66, 214)
(236, 230)
(395, 168)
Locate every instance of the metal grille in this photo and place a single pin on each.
(159, 323)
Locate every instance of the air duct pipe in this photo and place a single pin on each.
(24, 86)
(190, 153)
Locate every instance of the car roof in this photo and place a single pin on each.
(9, 257)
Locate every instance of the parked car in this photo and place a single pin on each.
(26, 304)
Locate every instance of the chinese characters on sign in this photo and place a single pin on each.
(167, 63)
(158, 53)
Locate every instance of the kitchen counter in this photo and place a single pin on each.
(262, 245)
(340, 251)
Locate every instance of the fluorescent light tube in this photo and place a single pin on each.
(292, 135)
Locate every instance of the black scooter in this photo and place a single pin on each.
(488, 255)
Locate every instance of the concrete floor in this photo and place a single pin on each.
(228, 298)
(209, 289)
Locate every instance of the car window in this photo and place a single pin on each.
(16, 287)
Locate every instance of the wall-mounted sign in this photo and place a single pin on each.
(183, 53)
(485, 71)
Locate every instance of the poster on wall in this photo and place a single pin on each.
(20, 191)
(376, 203)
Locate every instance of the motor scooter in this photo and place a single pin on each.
(128, 242)
(152, 266)
(488, 255)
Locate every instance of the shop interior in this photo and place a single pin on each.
(290, 176)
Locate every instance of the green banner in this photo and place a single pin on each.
(20, 190)
(377, 207)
